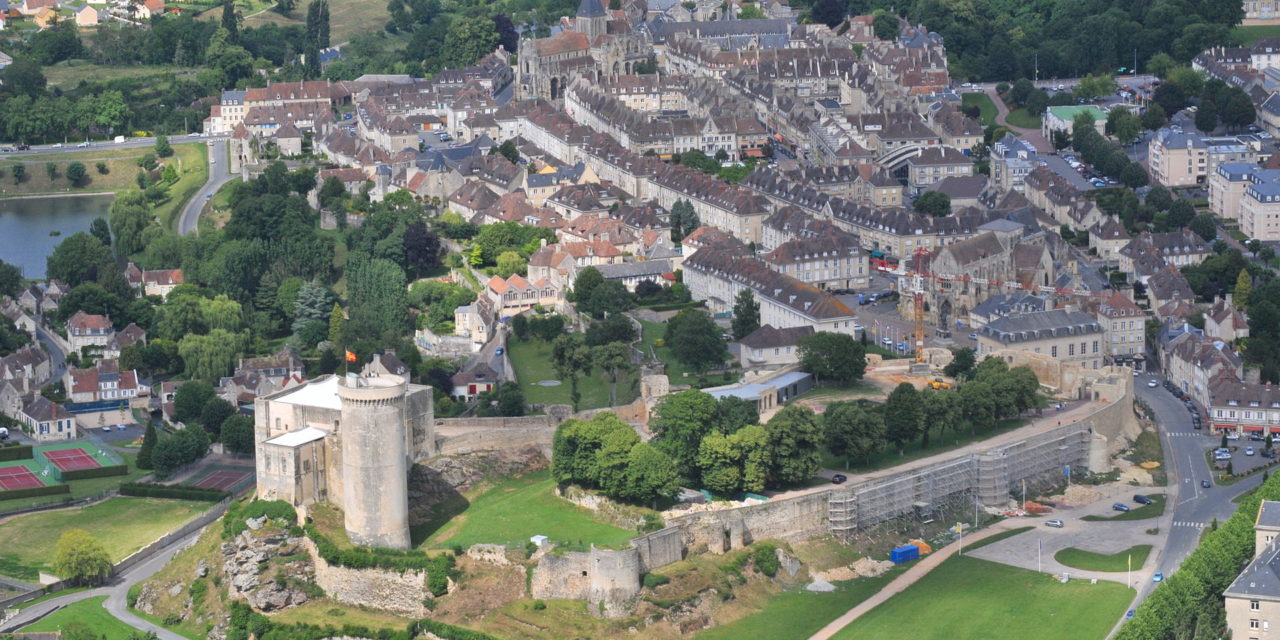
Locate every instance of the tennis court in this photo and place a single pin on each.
(221, 480)
(18, 477)
(71, 459)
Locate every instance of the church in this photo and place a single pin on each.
(596, 43)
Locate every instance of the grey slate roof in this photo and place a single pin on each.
(1269, 514)
(590, 9)
(634, 269)
(1261, 579)
(768, 337)
(1041, 325)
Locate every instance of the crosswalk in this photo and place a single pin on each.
(1183, 523)
(1190, 434)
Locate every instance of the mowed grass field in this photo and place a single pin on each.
(1250, 35)
(70, 73)
(966, 597)
(122, 525)
(1022, 119)
(1115, 562)
(515, 509)
(347, 18)
(88, 612)
(532, 361)
(983, 102)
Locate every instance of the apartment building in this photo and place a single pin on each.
(1066, 336)
(1125, 324)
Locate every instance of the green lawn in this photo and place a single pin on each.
(966, 597)
(938, 444)
(122, 525)
(532, 361)
(1250, 35)
(512, 511)
(1147, 448)
(796, 615)
(983, 102)
(1135, 512)
(70, 73)
(676, 371)
(348, 17)
(1021, 119)
(996, 538)
(88, 612)
(1116, 562)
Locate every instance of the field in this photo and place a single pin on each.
(327, 612)
(937, 444)
(512, 511)
(122, 525)
(1116, 562)
(1023, 120)
(983, 102)
(122, 171)
(347, 18)
(675, 369)
(796, 615)
(88, 612)
(1136, 512)
(532, 361)
(70, 73)
(1250, 35)
(969, 598)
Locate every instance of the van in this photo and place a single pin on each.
(119, 139)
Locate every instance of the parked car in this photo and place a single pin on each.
(1233, 436)
(1268, 453)
(1057, 524)
(1141, 499)
(1151, 383)
(499, 351)
(887, 341)
(24, 147)
(1120, 506)
(1205, 484)
(1256, 437)
(973, 336)
(1221, 456)
(839, 478)
(1248, 451)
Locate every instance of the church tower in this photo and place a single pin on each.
(592, 19)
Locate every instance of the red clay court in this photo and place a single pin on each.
(18, 478)
(71, 459)
(221, 480)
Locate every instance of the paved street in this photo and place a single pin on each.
(219, 174)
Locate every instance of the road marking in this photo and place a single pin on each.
(1197, 525)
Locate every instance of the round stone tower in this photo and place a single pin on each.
(375, 481)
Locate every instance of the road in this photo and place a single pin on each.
(57, 358)
(116, 593)
(219, 174)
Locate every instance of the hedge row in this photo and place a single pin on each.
(95, 472)
(18, 452)
(1192, 597)
(446, 631)
(176, 492)
(14, 494)
(675, 306)
(439, 568)
(238, 512)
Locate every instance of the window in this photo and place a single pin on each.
(1071, 349)
(1253, 624)
(1254, 605)
(1054, 351)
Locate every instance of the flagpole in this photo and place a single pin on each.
(1039, 546)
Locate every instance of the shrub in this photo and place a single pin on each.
(199, 587)
(95, 472)
(19, 452)
(14, 494)
(539, 605)
(175, 492)
(233, 523)
(766, 558)
(652, 580)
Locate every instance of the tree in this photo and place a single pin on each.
(76, 173)
(902, 416)
(1061, 139)
(81, 258)
(1160, 65)
(651, 474)
(237, 434)
(162, 148)
(587, 280)
(80, 558)
(832, 356)
(933, 203)
(1128, 127)
(1159, 198)
(468, 40)
(510, 263)
(508, 150)
(852, 431)
(129, 217)
(230, 21)
(1236, 110)
(795, 437)
(1134, 176)
(610, 296)
(1243, 290)
(1204, 226)
(421, 249)
(616, 327)
(1154, 117)
(684, 220)
(885, 26)
(733, 414)
(10, 280)
(746, 314)
(19, 172)
(750, 12)
(1207, 116)
(695, 339)
(679, 423)
(828, 12)
(23, 77)
(189, 401)
(51, 169)
(571, 358)
(961, 365)
(215, 412)
(148, 446)
(1181, 213)
(1170, 97)
(614, 360)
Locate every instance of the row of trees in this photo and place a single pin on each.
(1104, 155)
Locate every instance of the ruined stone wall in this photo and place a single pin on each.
(496, 439)
(660, 548)
(398, 593)
(792, 519)
(608, 580)
(496, 423)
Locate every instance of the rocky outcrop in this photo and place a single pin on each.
(266, 585)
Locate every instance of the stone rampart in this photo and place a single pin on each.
(496, 439)
(791, 519)
(401, 593)
(608, 580)
(660, 548)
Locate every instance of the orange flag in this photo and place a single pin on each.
(351, 357)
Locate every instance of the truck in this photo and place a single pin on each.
(939, 383)
(119, 139)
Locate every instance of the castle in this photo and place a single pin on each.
(349, 441)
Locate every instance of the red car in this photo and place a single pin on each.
(24, 147)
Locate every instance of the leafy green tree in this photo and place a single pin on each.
(76, 173)
(885, 26)
(1181, 213)
(10, 280)
(720, 463)
(695, 339)
(733, 414)
(651, 475)
(19, 172)
(468, 40)
(1159, 198)
(933, 203)
(1207, 116)
(215, 412)
(336, 323)
(190, 400)
(746, 314)
(832, 356)
(852, 431)
(615, 327)
(129, 217)
(571, 358)
(1237, 110)
(679, 422)
(1134, 176)
(962, 362)
(1204, 226)
(148, 446)
(614, 360)
(1243, 290)
(902, 416)
(230, 21)
(828, 12)
(585, 283)
(162, 148)
(795, 437)
(1154, 117)
(83, 258)
(80, 559)
(377, 293)
(211, 356)
(237, 434)
(610, 296)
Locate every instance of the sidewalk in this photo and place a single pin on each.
(921, 569)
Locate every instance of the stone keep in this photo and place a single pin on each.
(373, 453)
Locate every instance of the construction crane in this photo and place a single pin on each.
(917, 280)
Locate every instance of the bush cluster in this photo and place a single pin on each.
(238, 512)
(175, 492)
(14, 494)
(246, 623)
(18, 452)
(95, 472)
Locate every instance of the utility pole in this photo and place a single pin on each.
(1037, 72)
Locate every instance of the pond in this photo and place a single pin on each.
(26, 224)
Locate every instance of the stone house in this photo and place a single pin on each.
(1225, 321)
(1253, 600)
(103, 381)
(1125, 324)
(1066, 336)
(89, 330)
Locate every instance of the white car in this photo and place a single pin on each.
(858, 327)
(1233, 436)
(1248, 451)
(1152, 384)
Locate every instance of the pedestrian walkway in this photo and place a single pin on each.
(1182, 523)
(909, 577)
